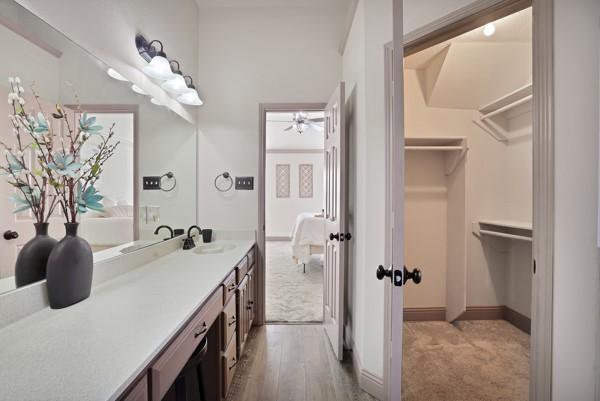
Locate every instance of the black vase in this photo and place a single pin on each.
(70, 269)
(32, 259)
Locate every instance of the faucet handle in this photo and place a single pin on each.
(188, 243)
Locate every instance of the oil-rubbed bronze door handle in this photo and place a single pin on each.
(10, 234)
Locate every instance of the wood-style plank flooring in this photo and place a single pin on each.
(293, 363)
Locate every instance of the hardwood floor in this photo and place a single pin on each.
(293, 362)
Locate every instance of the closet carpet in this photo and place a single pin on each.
(292, 295)
(467, 361)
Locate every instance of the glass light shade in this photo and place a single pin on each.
(190, 98)
(159, 68)
(156, 102)
(138, 90)
(176, 85)
(114, 74)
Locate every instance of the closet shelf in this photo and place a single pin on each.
(455, 145)
(521, 231)
(493, 117)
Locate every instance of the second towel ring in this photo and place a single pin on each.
(227, 177)
(170, 176)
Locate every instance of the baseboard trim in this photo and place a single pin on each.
(424, 314)
(280, 239)
(367, 381)
(502, 312)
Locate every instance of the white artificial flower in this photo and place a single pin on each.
(17, 80)
(21, 89)
(11, 80)
(21, 101)
(20, 153)
(9, 100)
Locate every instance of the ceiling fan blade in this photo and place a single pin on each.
(317, 120)
(279, 121)
(289, 128)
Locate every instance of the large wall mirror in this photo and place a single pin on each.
(153, 141)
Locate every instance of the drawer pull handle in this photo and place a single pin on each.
(231, 287)
(202, 331)
(250, 302)
(232, 321)
(234, 363)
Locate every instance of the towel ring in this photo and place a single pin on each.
(169, 176)
(226, 176)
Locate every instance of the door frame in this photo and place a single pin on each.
(122, 109)
(263, 109)
(461, 21)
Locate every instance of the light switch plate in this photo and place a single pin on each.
(244, 183)
(151, 182)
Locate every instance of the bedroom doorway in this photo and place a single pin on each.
(294, 222)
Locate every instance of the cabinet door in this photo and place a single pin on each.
(242, 301)
(251, 297)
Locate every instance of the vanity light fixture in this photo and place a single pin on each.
(114, 74)
(191, 98)
(159, 66)
(138, 90)
(177, 84)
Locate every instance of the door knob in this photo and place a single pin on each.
(9, 234)
(414, 275)
(383, 272)
(335, 236)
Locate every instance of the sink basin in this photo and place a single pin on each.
(207, 249)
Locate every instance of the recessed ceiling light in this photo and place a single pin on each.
(138, 90)
(489, 29)
(114, 74)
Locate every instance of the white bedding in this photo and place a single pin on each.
(102, 232)
(308, 232)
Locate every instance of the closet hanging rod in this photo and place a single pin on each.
(509, 106)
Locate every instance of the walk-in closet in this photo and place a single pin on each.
(468, 213)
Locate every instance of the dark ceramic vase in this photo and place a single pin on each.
(32, 259)
(70, 269)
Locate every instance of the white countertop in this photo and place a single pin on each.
(95, 349)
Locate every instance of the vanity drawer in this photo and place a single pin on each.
(139, 392)
(229, 362)
(242, 269)
(229, 286)
(251, 258)
(166, 369)
(229, 323)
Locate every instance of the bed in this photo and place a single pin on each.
(112, 227)
(308, 237)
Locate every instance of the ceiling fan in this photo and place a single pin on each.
(300, 122)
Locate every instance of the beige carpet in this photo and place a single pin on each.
(292, 295)
(466, 361)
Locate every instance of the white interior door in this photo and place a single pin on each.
(335, 220)
(395, 206)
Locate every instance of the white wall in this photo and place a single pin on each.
(281, 213)
(363, 71)
(576, 323)
(249, 56)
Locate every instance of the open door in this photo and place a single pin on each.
(335, 220)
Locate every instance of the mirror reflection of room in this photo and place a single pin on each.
(52, 72)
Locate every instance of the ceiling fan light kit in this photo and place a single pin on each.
(300, 122)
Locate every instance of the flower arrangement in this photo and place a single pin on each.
(61, 175)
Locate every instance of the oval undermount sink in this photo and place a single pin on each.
(208, 249)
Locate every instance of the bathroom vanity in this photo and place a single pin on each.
(131, 339)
